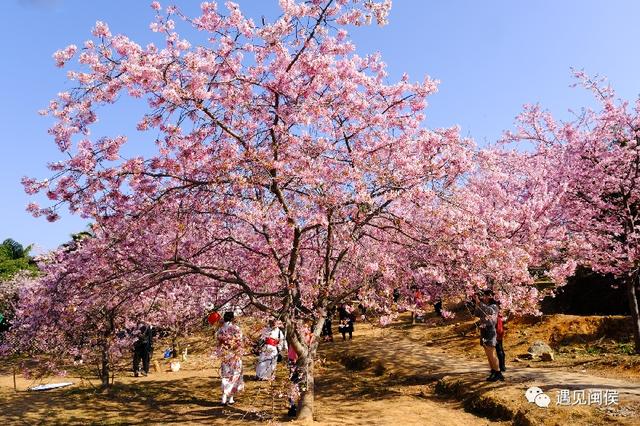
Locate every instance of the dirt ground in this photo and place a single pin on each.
(597, 345)
(385, 376)
(409, 359)
(191, 396)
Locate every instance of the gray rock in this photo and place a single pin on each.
(539, 347)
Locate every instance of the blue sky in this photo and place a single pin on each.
(490, 56)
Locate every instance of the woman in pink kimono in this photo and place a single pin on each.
(230, 350)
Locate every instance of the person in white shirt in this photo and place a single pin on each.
(274, 343)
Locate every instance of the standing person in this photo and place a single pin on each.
(230, 351)
(437, 307)
(294, 376)
(418, 298)
(346, 322)
(396, 295)
(487, 310)
(273, 344)
(327, 331)
(500, 331)
(142, 349)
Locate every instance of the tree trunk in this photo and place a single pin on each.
(306, 403)
(634, 307)
(174, 346)
(105, 370)
(306, 348)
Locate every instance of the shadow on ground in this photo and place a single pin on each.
(186, 400)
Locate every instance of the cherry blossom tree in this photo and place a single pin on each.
(595, 164)
(9, 294)
(91, 298)
(281, 165)
(66, 314)
(488, 232)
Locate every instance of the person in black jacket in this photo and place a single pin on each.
(327, 331)
(346, 322)
(142, 349)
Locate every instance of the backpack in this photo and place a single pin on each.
(500, 327)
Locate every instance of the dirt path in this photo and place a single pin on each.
(395, 410)
(434, 361)
(401, 394)
(398, 381)
(382, 377)
(190, 397)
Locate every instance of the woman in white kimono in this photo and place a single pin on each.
(273, 343)
(230, 350)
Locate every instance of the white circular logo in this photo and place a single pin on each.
(532, 392)
(542, 400)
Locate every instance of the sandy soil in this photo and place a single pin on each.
(191, 397)
(596, 345)
(383, 377)
(378, 392)
(403, 361)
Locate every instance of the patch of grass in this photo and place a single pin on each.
(593, 350)
(626, 348)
